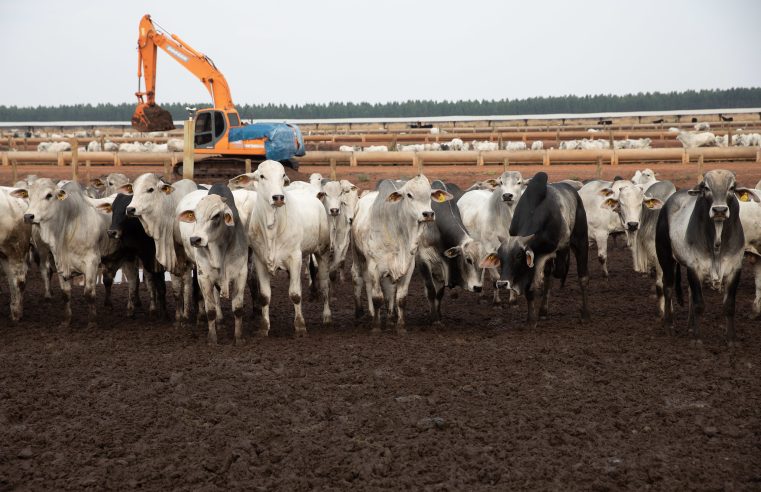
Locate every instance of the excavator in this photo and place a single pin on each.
(219, 133)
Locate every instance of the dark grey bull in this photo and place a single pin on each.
(700, 229)
(548, 224)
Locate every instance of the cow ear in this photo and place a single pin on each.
(493, 183)
(241, 180)
(229, 219)
(502, 239)
(187, 216)
(394, 197)
(320, 195)
(61, 195)
(746, 194)
(610, 204)
(529, 258)
(126, 189)
(490, 261)
(606, 192)
(453, 252)
(441, 196)
(97, 182)
(653, 203)
(20, 193)
(167, 189)
(106, 208)
(286, 180)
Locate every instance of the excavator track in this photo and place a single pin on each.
(222, 168)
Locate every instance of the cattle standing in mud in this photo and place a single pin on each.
(700, 229)
(549, 223)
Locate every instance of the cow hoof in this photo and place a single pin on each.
(262, 332)
(300, 333)
(375, 330)
(401, 331)
(240, 341)
(754, 315)
(437, 324)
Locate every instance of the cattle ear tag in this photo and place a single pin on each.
(320, 195)
(105, 208)
(229, 219)
(61, 195)
(490, 261)
(126, 189)
(394, 197)
(606, 192)
(187, 216)
(744, 196)
(653, 203)
(530, 258)
(97, 183)
(20, 193)
(610, 203)
(167, 189)
(441, 196)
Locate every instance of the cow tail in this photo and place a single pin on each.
(678, 293)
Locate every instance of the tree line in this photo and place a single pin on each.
(741, 97)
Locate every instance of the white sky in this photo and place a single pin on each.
(76, 51)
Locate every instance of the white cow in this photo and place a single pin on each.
(221, 254)
(385, 238)
(340, 201)
(155, 202)
(284, 227)
(77, 236)
(487, 214)
(15, 235)
(750, 217)
(613, 207)
(644, 178)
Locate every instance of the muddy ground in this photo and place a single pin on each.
(478, 404)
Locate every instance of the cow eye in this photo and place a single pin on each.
(409, 195)
(48, 196)
(216, 217)
(149, 190)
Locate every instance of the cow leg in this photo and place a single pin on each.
(46, 272)
(294, 292)
(91, 276)
(187, 295)
(152, 294)
(494, 274)
(265, 292)
(757, 301)
(253, 285)
(601, 240)
(402, 289)
(544, 307)
(314, 282)
(15, 288)
(159, 282)
(323, 277)
(177, 292)
(218, 304)
(389, 296)
(66, 296)
(206, 286)
(130, 272)
(238, 297)
(730, 297)
(108, 282)
(357, 283)
(696, 305)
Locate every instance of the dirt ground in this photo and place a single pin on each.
(478, 404)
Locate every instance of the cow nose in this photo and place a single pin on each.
(507, 197)
(113, 234)
(477, 288)
(195, 241)
(131, 211)
(334, 211)
(278, 200)
(28, 218)
(351, 219)
(720, 210)
(502, 284)
(632, 226)
(428, 216)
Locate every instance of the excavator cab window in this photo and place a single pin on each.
(234, 119)
(210, 127)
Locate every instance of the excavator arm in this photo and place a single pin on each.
(148, 115)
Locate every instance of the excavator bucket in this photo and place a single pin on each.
(149, 118)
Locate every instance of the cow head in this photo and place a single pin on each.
(415, 197)
(270, 180)
(339, 198)
(509, 187)
(645, 177)
(210, 220)
(113, 182)
(515, 261)
(719, 190)
(466, 271)
(118, 210)
(44, 199)
(629, 205)
(148, 191)
(349, 199)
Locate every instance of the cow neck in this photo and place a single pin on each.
(501, 210)
(224, 247)
(272, 223)
(164, 234)
(62, 231)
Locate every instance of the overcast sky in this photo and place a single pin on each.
(76, 51)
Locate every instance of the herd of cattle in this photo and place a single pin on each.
(215, 240)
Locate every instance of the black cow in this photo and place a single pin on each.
(447, 256)
(549, 222)
(700, 229)
(135, 244)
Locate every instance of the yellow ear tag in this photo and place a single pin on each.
(745, 196)
(441, 197)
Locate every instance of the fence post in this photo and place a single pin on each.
(546, 158)
(598, 168)
(14, 171)
(5, 159)
(74, 158)
(167, 167)
(87, 169)
(60, 159)
(480, 161)
(333, 169)
(353, 159)
(700, 168)
(506, 164)
(685, 158)
(248, 166)
(187, 150)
